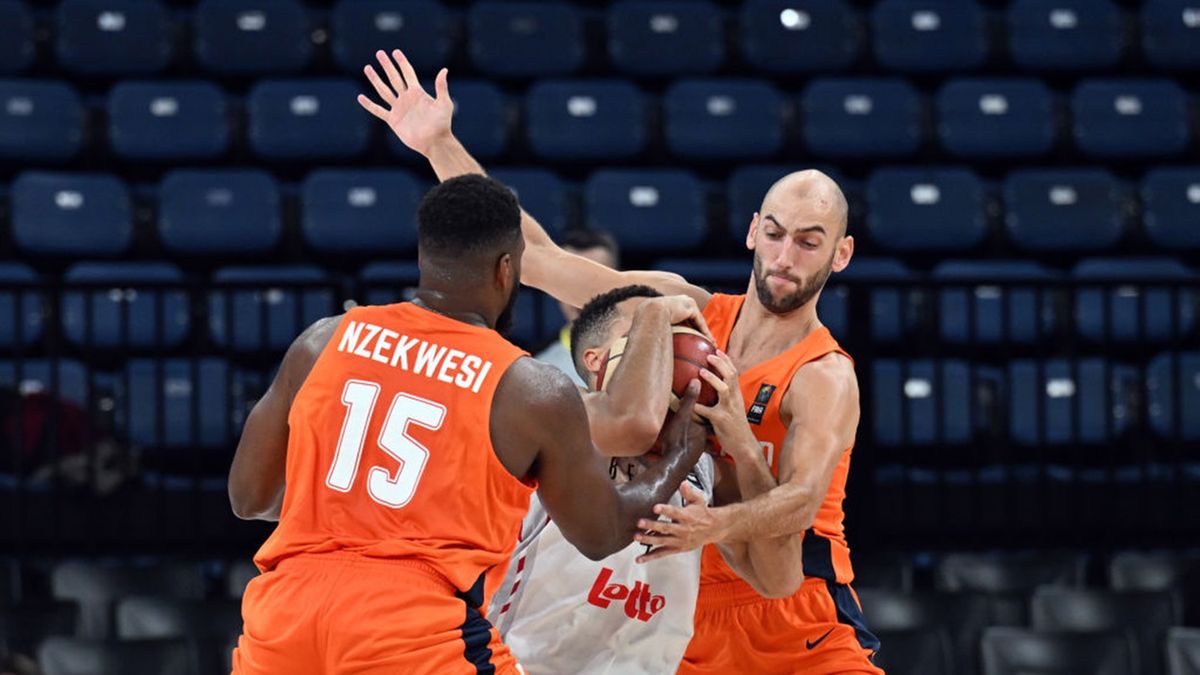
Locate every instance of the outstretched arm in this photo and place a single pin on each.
(423, 123)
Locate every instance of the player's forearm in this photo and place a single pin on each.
(787, 509)
(654, 486)
(752, 473)
(636, 399)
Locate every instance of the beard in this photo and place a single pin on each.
(807, 289)
(504, 322)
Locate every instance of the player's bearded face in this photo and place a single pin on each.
(806, 289)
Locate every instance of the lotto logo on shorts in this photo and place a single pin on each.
(639, 603)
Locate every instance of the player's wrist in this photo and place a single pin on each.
(441, 149)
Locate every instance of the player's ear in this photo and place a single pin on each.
(843, 254)
(752, 232)
(506, 272)
(592, 358)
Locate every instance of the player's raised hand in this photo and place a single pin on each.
(683, 309)
(417, 118)
(689, 527)
(728, 415)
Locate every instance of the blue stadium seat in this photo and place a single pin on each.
(542, 194)
(718, 276)
(935, 395)
(929, 35)
(246, 37)
(996, 118)
(180, 120)
(39, 120)
(788, 36)
(748, 184)
(17, 47)
(20, 310)
(586, 119)
(1170, 29)
(1066, 34)
(1069, 210)
(665, 37)
(1130, 118)
(194, 395)
(1171, 208)
(71, 214)
(1138, 309)
(536, 319)
(297, 119)
(360, 211)
(723, 119)
(893, 308)
(123, 314)
(67, 377)
(482, 121)
(113, 37)
(264, 316)
(990, 292)
(524, 39)
(384, 283)
(422, 28)
(926, 209)
(219, 212)
(647, 210)
(861, 118)
(1060, 402)
(1173, 390)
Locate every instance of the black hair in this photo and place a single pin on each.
(597, 316)
(583, 239)
(468, 215)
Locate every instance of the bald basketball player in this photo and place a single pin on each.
(398, 448)
(800, 384)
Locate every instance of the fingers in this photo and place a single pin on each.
(661, 552)
(688, 400)
(373, 107)
(440, 86)
(658, 527)
(702, 325)
(406, 69)
(385, 92)
(691, 495)
(675, 513)
(718, 384)
(389, 69)
(723, 365)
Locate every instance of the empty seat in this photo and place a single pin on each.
(1070, 210)
(40, 120)
(240, 575)
(265, 308)
(1015, 651)
(522, 39)
(881, 285)
(21, 310)
(65, 378)
(915, 652)
(71, 214)
(721, 119)
(1067, 34)
(122, 313)
(647, 210)
(1150, 572)
(996, 117)
(928, 35)
(1146, 616)
(861, 118)
(24, 625)
(541, 193)
(992, 306)
(1130, 118)
(719, 276)
(306, 119)
(1008, 573)
(360, 211)
(482, 121)
(167, 120)
(586, 119)
(1171, 208)
(384, 283)
(72, 656)
(1170, 29)
(1058, 401)
(960, 616)
(422, 28)
(219, 212)
(921, 402)
(665, 37)
(95, 586)
(147, 618)
(926, 209)
(113, 37)
(1183, 651)
(254, 37)
(787, 36)
(1136, 309)
(1173, 389)
(17, 47)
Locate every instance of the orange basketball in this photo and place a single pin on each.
(691, 354)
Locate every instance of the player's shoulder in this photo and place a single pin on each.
(535, 384)
(833, 373)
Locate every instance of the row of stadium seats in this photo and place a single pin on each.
(565, 119)
(243, 212)
(520, 39)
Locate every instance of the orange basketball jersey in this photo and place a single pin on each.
(389, 450)
(826, 554)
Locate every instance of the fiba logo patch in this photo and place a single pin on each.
(759, 407)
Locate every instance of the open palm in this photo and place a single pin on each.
(416, 117)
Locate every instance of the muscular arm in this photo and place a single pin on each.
(539, 428)
(256, 478)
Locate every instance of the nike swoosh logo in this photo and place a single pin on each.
(811, 644)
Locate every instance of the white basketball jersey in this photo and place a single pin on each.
(562, 613)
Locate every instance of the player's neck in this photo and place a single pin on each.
(451, 305)
(772, 333)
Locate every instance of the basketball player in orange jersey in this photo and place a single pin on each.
(405, 441)
(801, 387)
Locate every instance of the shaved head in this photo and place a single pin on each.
(816, 191)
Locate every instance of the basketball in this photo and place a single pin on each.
(691, 354)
